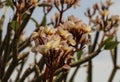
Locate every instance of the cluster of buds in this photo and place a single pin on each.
(57, 45)
(78, 29)
(101, 19)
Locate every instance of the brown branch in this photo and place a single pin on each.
(51, 76)
(61, 77)
(6, 52)
(118, 67)
(91, 49)
(23, 45)
(20, 71)
(79, 62)
(31, 70)
(112, 75)
(92, 55)
(74, 74)
(9, 71)
(26, 73)
(46, 74)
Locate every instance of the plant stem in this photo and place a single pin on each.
(45, 74)
(51, 76)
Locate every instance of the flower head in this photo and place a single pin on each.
(57, 45)
(76, 27)
(54, 45)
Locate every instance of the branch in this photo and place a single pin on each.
(92, 55)
(114, 56)
(61, 77)
(74, 74)
(118, 67)
(79, 62)
(91, 49)
(112, 75)
(24, 44)
(31, 70)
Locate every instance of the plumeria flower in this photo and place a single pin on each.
(57, 45)
(69, 24)
(77, 28)
(49, 30)
(68, 36)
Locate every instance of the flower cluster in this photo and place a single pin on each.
(57, 45)
(77, 28)
(101, 20)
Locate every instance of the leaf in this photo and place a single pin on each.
(107, 40)
(24, 16)
(111, 45)
(14, 25)
(79, 54)
(36, 23)
(43, 23)
(9, 2)
(116, 25)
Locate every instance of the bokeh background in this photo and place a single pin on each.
(102, 65)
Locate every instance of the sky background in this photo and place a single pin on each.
(102, 64)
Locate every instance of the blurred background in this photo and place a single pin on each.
(102, 65)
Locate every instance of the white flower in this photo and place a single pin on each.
(71, 40)
(69, 25)
(42, 49)
(67, 35)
